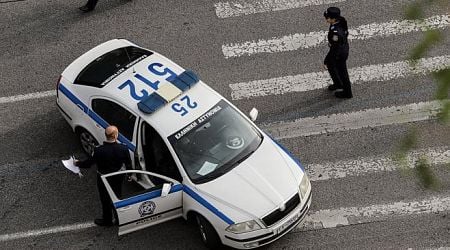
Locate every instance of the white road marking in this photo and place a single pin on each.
(370, 165)
(240, 8)
(45, 231)
(368, 118)
(327, 218)
(36, 95)
(313, 39)
(330, 218)
(318, 80)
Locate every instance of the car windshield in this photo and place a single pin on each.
(215, 143)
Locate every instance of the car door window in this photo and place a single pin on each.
(158, 158)
(116, 115)
(125, 188)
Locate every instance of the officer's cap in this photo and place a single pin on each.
(332, 12)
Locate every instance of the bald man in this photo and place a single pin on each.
(109, 158)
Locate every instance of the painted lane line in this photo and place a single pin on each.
(46, 231)
(321, 219)
(303, 41)
(240, 8)
(36, 95)
(317, 172)
(371, 165)
(331, 218)
(368, 118)
(318, 80)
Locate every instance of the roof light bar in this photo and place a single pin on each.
(156, 100)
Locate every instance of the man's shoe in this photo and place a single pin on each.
(334, 87)
(342, 94)
(85, 9)
(103, 223)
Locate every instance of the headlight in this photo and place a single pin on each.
(304, 186)
(244, 227)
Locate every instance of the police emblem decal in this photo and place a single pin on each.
(146, 208)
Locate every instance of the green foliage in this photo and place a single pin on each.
(425, 174)
(415, 11)
(431, 38)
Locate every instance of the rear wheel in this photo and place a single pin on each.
(207, 233)
(88, 142)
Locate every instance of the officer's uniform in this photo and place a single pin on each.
(109, 158)
(338, 54)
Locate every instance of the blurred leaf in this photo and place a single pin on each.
(431, 37)
(443, 80)
(444, 115)
(425, 174)
(407, 143)
(414, 11)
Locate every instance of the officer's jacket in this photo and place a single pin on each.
(337, 41)
(109, 157)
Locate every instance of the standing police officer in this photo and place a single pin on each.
(109, 158)
(335, 61)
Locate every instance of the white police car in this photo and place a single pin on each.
(194, 154)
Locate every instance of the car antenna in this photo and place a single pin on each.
(129, 59)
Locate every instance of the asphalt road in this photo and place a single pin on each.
(40, 38)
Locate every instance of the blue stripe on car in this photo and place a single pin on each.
(206, 204)
(290, 154)
(94, 116)
(146, 196)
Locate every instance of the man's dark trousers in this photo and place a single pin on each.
(107, 207)
(339, 74)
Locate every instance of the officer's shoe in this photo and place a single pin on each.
(103, 223)
(342, 94)
(85, 8)
(334, 87)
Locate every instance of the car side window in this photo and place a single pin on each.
(124, 189)
(116, 115)
(158, 158)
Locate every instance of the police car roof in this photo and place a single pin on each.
(142, 79)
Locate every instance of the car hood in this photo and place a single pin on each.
(263, 182)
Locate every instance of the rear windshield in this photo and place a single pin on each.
(108, 66)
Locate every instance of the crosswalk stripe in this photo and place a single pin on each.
(46, 231)
(321, 219)
(318, 80)
(240, 8)
(370, 165)
(303, 41)
(368, 118)
(330, 218)
(36, 95)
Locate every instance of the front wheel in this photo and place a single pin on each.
(208, 234)
(88, 142)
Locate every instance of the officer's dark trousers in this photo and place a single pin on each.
(91, 4)
(107, 206)
(339, 75)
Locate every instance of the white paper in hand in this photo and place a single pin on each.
(69, 164)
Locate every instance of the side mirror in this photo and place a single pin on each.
(166, 189)
(253, 114)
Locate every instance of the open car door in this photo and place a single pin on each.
(138, 207)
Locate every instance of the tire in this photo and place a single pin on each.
(208, 234)
(87, 141)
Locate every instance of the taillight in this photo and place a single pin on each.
(57, 86)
